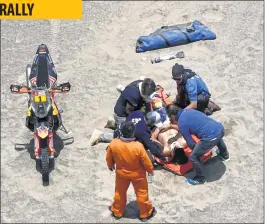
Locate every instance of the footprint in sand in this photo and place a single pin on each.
(249, 53)
(19, 37)
(213, 15)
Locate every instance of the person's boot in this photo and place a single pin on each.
(95, 137)
(154, 212)
(112, 213)
(99, 136)
(110, 123)
(224, 157)
(196, 180)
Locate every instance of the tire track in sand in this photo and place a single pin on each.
(55, 30)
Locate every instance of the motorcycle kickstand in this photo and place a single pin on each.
(64, 129)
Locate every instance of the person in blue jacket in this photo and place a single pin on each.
(193, 93)
(143, 132)
(205, 128)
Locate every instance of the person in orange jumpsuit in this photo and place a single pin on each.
(132, 163)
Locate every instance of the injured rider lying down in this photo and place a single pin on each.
(171, 140)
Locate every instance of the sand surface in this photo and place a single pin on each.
(97, 53)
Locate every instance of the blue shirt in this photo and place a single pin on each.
(143, 133)
(195, 122)
(194, 87)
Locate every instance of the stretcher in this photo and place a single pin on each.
(181, 169)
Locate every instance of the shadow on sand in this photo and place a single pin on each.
(213, 169)
(132, 210)
(58, 142)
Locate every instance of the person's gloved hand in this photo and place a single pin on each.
(151, 174)
(112, 168)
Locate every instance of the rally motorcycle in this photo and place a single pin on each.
(43, 117)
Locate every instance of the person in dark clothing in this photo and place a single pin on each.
(193, 93)
(143, 133)
(131, 99)
(205, 128)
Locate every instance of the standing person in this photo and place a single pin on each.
(193, 93)
(132, 163)
(205, 128)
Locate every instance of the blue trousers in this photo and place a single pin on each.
(201, 148)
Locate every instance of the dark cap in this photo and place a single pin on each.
(172, 109)
(127, 129)
(177, 71)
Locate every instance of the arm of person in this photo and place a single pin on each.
(133, 99)
(192, 105)
(149, 144)
(145, 160)
(191, 88)
(110, 159)
(155, 133)
(129, 108)
(187, 136)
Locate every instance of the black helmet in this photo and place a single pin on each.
(127, 129)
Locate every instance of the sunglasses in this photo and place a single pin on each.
(177, 79)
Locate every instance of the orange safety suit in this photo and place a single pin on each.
(132, 163)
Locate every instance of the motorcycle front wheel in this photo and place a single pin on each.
(45, 166)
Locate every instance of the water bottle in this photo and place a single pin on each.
(169, 56)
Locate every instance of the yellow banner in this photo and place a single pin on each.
(40, 9)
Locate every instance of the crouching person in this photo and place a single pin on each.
(210, 132)
(132, 163)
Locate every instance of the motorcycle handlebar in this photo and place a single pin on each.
(62, 88)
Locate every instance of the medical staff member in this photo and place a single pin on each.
(193, 93)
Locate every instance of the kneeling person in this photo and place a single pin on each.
(143, 133)
(205, 128)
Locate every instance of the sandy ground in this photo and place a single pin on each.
(97, 53)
